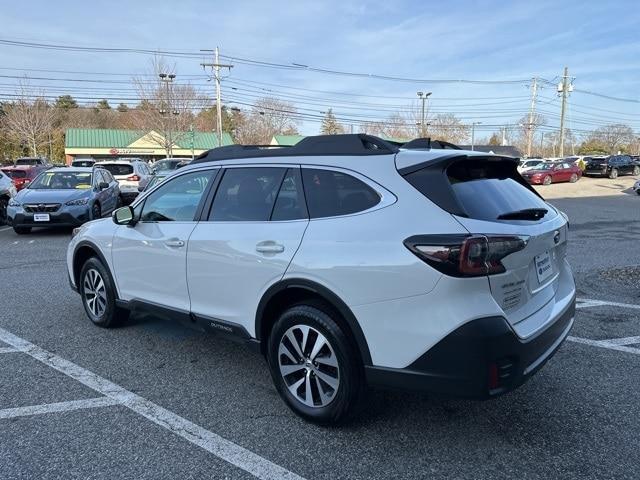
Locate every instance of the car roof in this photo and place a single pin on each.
(71, 169)
(118, 162)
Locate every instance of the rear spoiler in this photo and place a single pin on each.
(435, 178)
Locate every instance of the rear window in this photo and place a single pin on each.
(118, 168)
(28, 161)
(15, 173)
(479, 189)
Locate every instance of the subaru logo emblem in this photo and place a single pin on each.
(41, 207)
(556, 237)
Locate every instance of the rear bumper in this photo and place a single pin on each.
(481, 359)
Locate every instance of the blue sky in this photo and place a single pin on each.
(479, 40)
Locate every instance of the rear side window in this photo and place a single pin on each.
(247, 194)
(330, 193)
(479, 189)
(118, 168)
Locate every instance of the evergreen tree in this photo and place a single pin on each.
(330, 125)
(66, 102)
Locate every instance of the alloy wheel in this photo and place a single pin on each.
(95, 293)
(309, 366)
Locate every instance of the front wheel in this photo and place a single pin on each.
(96, 211)
(573, 178)
(613, 173)
(4, 202)
(99, 295)
(636, 171)
(547, 180)
(314, 366)
(22, 230)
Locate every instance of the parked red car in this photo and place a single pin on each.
(22, 175)
(553, 172)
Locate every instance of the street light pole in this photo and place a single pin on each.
(423, 96)
(473, 134)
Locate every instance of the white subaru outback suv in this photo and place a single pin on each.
(347, 261)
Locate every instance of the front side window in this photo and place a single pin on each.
(330, 193)
(247, 194)
(178, 200)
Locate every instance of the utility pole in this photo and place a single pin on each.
(167, 79)
(532, 109)
(423, 96)
(216, 66)
(564, 88)
(473, 134)
(504, 136)
(541, 144)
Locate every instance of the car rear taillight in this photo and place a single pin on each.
(465, 255)
(133, 178)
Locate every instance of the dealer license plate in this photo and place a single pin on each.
(41, 217)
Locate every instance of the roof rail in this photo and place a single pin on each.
(427, 143)
(350, 144)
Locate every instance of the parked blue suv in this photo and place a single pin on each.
(64, 197)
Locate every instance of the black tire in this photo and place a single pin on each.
(613, 173)
(4, 202)
(96, 211)
(346, 397)
(636, 171)
(111, 316)
(547, 180)
(573, 178)
(22, 230)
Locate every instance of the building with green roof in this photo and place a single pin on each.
(286, 140)
(101, 143)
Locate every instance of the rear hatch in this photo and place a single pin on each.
(120, 171)
(596, 164)
(489, 198)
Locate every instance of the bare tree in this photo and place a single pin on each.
(613, 137)
(166, 107)
(268, 117)
(448, 127)
(29, 119)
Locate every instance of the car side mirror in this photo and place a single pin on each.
(103, 185)
(123, 216)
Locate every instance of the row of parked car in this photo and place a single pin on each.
(33, 193)
(545, 172)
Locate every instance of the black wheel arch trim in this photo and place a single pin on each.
(101, 257)
(327, 295)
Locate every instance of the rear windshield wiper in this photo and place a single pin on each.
(526, 214)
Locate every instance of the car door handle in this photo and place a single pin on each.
(174, 242)
(269, 246)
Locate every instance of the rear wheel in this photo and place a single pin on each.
(613, 173)
(636, 170)
(99, 295)
(573, 178)
(547, 180)
(22, 230)
(314, 366)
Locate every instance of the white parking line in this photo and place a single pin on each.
(588, 302)
(7, 350)
(225, 449)
(57, 407)
(2, 229)
(610, 345)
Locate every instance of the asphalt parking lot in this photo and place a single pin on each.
(154, 399)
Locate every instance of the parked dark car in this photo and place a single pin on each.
(612, 166)
(64, 197)
(553, 172)
(23, 175)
